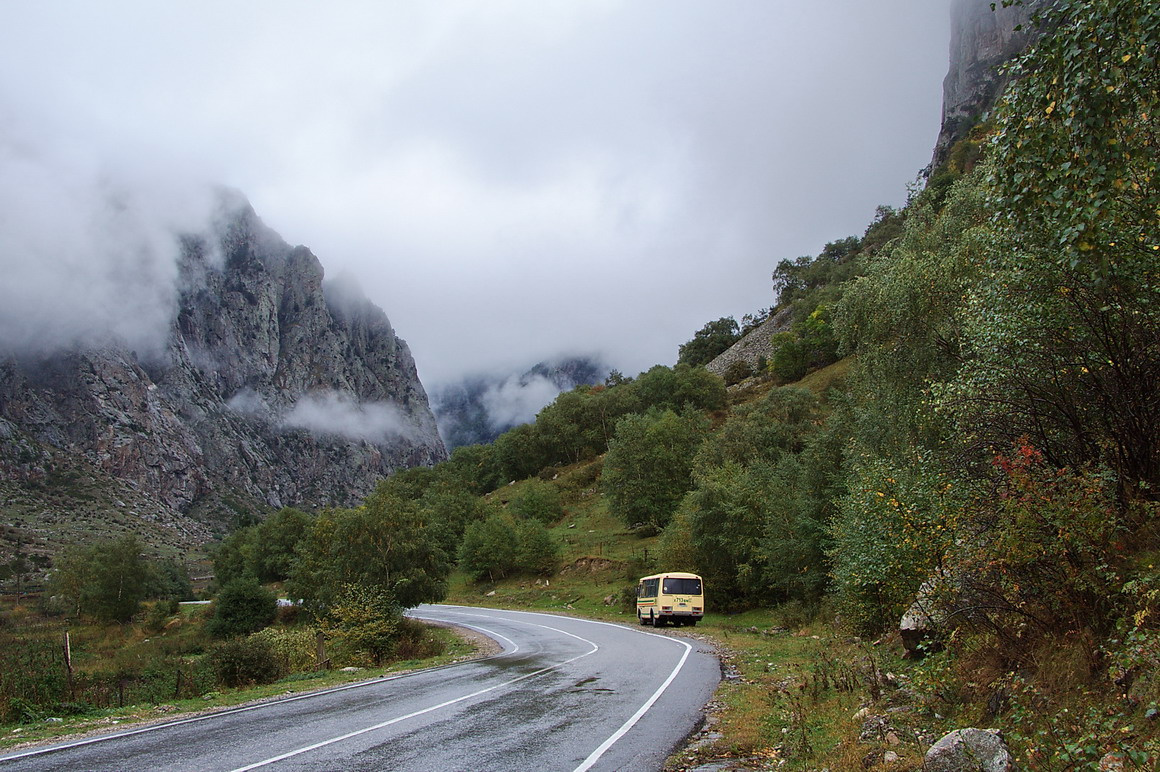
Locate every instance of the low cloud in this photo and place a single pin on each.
(517, 400)
(88, 244)
(249, 403)
(334, 413)
(644, 176)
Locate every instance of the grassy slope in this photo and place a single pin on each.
(793, 686)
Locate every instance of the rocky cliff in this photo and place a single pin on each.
(982, 39)
(275, 388)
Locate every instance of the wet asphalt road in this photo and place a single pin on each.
(565, 694)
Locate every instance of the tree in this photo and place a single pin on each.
(709, 341)
(233, 557)
(536, 553)
(489, 548)
(168, 580)
(275, 543)
(448, 509)
(242, 607)
(905, 320)
(679, 387)
(387, 542)
(648, 466)
(779, 423)
(107, 580)
(756, 517)
(500, 546)
(537, 500)
(806, 281)
(476, 467)
(1063, 336)
(521, 452)
(119, 573)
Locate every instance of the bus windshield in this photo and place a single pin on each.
(675, 586)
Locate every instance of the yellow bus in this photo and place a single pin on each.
(674, 598)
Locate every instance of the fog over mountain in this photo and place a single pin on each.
(482, 406)
(260, 385)
(509, 180)
(88, 245)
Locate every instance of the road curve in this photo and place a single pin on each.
(564, 694)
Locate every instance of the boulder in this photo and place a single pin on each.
(969, 750)
(919, 625)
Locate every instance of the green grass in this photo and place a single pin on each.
(131, 648)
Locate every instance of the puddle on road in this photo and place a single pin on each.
(579, 686)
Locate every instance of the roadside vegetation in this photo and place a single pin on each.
(961, 421)
(166, 662)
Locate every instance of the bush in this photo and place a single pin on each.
(364, 620)
(244, 662)
(737, 372)
(536, 553)
(295, 649)
(890, 533)
(537, 500)
(242, 607)
(159, 613)
(413, 640)
(1049, 557)
(31, 674)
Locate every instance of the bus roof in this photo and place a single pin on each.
(674, 574)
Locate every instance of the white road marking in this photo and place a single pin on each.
(365, 730)
(218, 714)
(604, 746)
(585, 765)
(631, 722)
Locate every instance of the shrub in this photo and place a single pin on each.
(537, 500)
(159, 613)
(414, 640)
(1048, 558)
(890, 533)
(737, 372)
(242, 607)
(364, 620)
(245, 661)
(294, 649)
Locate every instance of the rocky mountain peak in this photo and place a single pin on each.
(275, 388)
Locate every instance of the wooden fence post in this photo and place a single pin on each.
(320, 651)
(72, 696)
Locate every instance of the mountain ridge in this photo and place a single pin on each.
(274, 388)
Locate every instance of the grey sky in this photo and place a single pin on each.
(509, 179)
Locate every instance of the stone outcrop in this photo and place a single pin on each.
(981, 41)
(275, 388)
(754, 346)
(969, 750)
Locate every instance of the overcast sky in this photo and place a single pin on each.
(509, 179)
